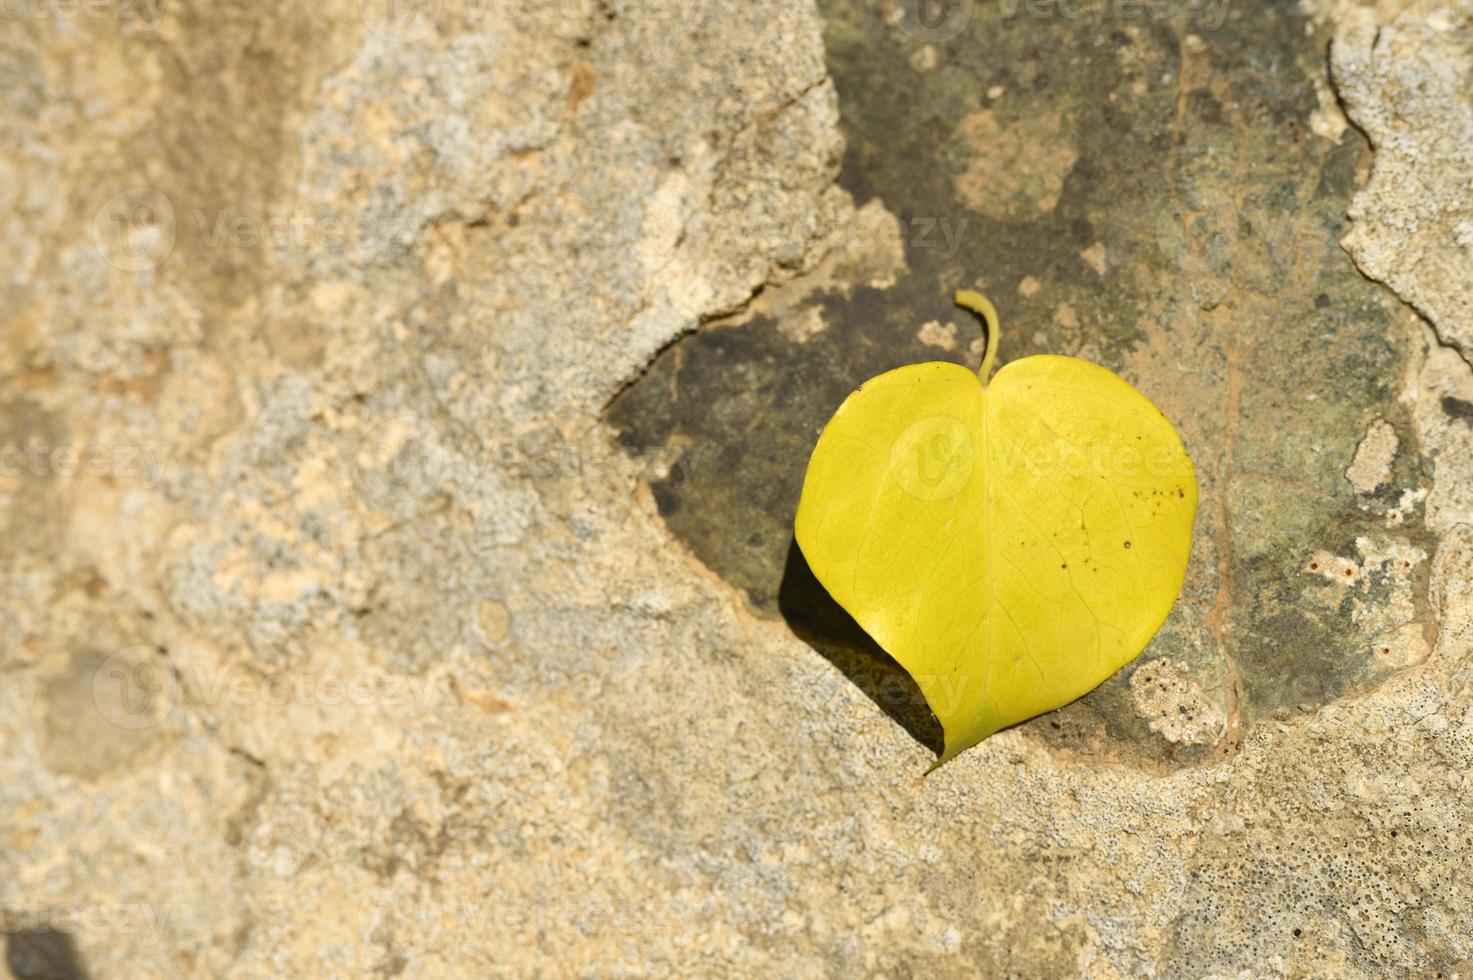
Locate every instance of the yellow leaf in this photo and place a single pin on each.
(1011, 544)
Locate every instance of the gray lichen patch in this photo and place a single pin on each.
(1161, 199)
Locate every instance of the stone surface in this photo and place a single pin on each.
(371, 599)
(1141, 194)
(1374, 458)
(1409, 86)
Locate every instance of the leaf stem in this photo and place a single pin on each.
(969, 299)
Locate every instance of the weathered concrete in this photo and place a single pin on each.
(387, 588)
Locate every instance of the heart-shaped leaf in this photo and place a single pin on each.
(1012, 544)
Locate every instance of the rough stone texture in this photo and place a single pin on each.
(339, 634)
(1173, 704)
(1409, 86)
(1149, 194)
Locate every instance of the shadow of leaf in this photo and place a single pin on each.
(823, 624)
(42, 954)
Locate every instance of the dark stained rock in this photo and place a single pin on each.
(1148, 194)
